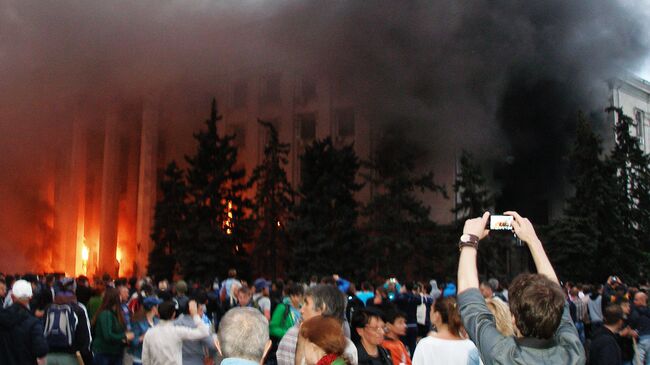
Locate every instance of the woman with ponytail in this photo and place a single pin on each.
(447, 345)
(323, 341)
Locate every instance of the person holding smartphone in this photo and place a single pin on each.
(544, 332)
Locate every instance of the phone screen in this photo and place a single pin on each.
(501, 223)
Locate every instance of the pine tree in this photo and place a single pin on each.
(631, 168)
(324, 233)
(272, 205)
(169, 223)
(216, 225)
(473, 198)
(398, 222)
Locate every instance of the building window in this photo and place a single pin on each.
(345, 122)
(307, 125)
(307, 90)
(638, 121)
(270, 89)
(239, 131)
(239, 94)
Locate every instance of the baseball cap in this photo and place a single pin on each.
(150, 302)
(21, 289)
(261, 283)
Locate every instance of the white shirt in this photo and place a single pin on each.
(163, 344)
(433, 350)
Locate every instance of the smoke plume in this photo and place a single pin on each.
(500, 78)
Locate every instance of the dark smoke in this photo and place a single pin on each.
(501, 78)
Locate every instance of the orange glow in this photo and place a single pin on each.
(228, 224)
(84, 253)
(118, 255)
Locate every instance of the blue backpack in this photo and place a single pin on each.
(60, 325)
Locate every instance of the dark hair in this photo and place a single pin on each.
(537, 304)
(294, 289)
(329, 297)
(111, 302)
(391, 314)
(361, 318)
(449, 314)
(166, 310)
(326, 333)
(612, 314)
(328, 280)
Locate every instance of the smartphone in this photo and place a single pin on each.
(500, 223)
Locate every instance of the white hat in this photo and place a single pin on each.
(22, 289)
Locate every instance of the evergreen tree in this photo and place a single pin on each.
(397, 221)
(632, 171)
(272, 205)
(216, 224)
(472, 197)
(169, 223)
(324, 233)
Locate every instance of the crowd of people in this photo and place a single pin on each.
(53, 319)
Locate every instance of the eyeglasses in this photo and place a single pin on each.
(376, 329)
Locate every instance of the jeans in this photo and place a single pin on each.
(643, 348)
(55, 358)
(580, 327)
(108, 359)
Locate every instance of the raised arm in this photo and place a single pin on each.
(467, 271)
(525, 231)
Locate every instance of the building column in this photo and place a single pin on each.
(147, 182)
(109, 196)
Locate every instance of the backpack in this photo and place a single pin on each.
(421, 312)
(60, 326)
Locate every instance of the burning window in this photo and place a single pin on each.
(270, 89)
(345, 122)
(307, 125)
(239, 94)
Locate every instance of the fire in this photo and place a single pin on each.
(118, 255)
(228, 223)
(84, 253)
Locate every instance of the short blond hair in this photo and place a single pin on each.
(502, 316)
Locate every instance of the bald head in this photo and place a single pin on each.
(640, 299)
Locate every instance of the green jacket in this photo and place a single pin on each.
(109, 334)
(281, 321)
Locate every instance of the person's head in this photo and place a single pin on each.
(613, 316)
(167, 310)
(124, 293)
(367, 327)
(22, 292)
(262, 286)
(395, 322)
(111, 302)
(232, 273)
(445, 312)
(324, 336)
(163, 285)
(180, 287)
(640, 299)
(323, 300)
(243, 296)
(574, 291)
(536, 303)
(244, 334)
(150, 305)
(295, 293)
(486, 290)
(502, 315)
(494, 284)
(625, 305)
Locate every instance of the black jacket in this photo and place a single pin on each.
(21, 337)
(383, 357)
(604, 348)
